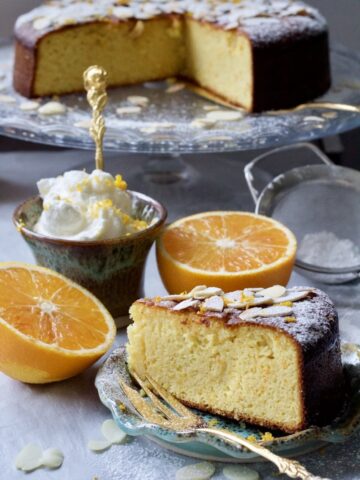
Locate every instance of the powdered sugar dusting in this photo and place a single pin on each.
(263, 20)
(313, 318)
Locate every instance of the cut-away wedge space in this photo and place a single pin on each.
(50, 327)
(231, 250)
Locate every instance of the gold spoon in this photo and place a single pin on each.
(95, 85)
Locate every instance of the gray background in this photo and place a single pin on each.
(68, 414)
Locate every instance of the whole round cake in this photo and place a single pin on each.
(256, 54)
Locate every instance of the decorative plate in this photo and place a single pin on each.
(207, 446)
(164, 126)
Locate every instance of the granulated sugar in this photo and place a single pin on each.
(325, 249)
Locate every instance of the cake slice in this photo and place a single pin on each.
(269, 357)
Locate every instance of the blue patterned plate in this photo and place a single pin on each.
(206, 446)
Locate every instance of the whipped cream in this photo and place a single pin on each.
(84, 207)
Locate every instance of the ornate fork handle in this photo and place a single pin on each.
(291, 468)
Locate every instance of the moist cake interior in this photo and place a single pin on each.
(165, 47)
(218, 368)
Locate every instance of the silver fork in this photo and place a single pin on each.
(180, 418)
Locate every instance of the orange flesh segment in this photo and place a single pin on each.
(226, 243)
(46, 308)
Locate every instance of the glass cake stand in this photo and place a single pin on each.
(164, 126)
(162, 132)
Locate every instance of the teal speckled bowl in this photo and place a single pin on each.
(111, 269)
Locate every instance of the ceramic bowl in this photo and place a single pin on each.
(111, 269)
(206, 446)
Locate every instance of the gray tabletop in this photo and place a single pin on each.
(68, 414)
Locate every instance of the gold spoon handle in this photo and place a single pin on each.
(95, 85)
(291, 468)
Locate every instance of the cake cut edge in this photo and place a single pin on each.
(317, 373)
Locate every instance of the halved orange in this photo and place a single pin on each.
(230, 250)
(50, 327)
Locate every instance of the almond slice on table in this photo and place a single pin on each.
(29, 458)
(52, 458)
(112, 432)
(177, 298)
(196, 471)
(32, 457)
(98, 445)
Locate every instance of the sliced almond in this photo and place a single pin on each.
(257, 301)
(224, 115)
(176, 87)
(273, 292)
(98, 445)
(292, 297)
(233, 296)
(138, 30)
(29, 106)
(112, 432)
(29, 458)
(202, 123)
(250, 313)
(52, 108)
(7, 99)
(215, 303)
(237, 305)
(276, 311)
(206, 292)
(128, 110)
(196, 471)
(186, 304)
(83, 124)
(198, 288)
(138, 100)
(52, 458)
